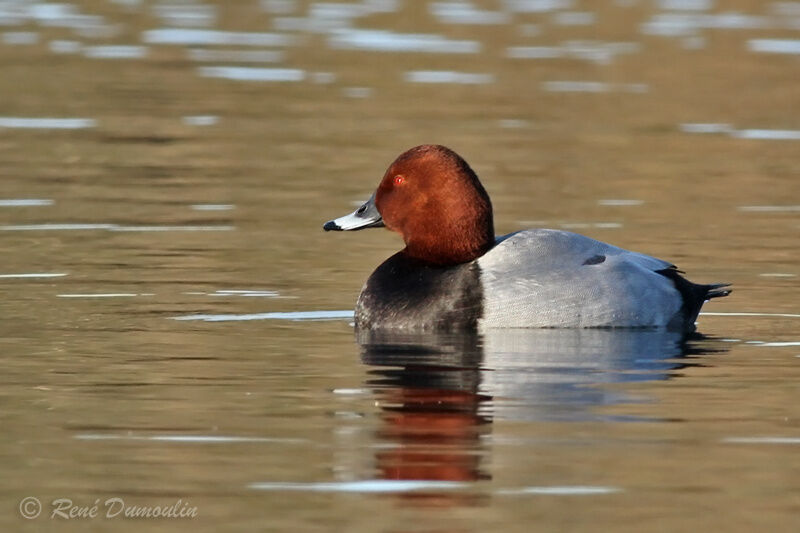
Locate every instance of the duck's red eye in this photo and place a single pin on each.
(399, 180)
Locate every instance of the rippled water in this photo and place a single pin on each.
(177, 327)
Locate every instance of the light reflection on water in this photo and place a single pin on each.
(195, 15)
(34, 275)
(443, 393)
(387, 41)
(205, 120)
(466, 13)
(537, 6)
(253, 73)
(593, 51)
(519, 374)
(115, 52)
(400, 486)
(757, 134)
(775, 46)
(448, 76)
(282, 315)
(185, 36)
(187, 439)
(111, 227)
(592, 87)
(47, 123)
(25, 202)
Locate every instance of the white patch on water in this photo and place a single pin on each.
(110, 227)
(350, 392)
(213, 207)
(780, 344)
(100, 295)
(536, 6)
(291, 315)
(706, 127)
(245, 292)
(678, 24)
(399, 486)
(115, 52)
(560, 490)
(327, 17)
(685, 5)
(47, 123)
(576, 86)
(448, 76)
(761, 440)
(190, 439)
(253, 73)
(466, 13)
(34, 275)
(619, 202)
(387, 41)
(534, 52)
(56, 227)
(770, 208)
(772, 135)
(185, 36)
(25, 202)
(364, 486)
(192, 15)
(593, 87)
(172, 228)
(774, 46)
(776, 315)
(595, 51)
(201, 120)
(584, 225)
(607, 225)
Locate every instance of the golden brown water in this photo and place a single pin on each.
(180, 194)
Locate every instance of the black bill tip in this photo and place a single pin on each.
(331, 226)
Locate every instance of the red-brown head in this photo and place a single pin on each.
(432, 198)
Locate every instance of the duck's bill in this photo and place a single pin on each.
(364, 217)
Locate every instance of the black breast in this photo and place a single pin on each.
(404, 293)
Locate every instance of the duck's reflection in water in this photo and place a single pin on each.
(439, 393)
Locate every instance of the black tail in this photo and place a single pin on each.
(694, 295)
(716, 290)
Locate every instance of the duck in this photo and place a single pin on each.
(455, 274)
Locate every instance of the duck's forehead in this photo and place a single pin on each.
(407, 162)
(427, 165)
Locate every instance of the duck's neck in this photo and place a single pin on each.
(453, 247)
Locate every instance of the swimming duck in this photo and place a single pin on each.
(455, 274)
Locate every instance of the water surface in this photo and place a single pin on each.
(177, 326)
